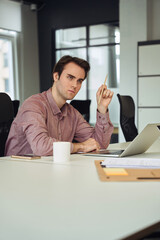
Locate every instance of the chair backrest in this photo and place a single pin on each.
(83, 106)
(127, 117)
(6, 118)
(15, 106)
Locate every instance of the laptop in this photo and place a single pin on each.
(139, 145)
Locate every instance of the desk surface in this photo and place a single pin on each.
(45, 200)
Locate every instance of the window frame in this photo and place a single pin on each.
(12, 36)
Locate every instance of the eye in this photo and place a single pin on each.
(80, 81)
(70, 77)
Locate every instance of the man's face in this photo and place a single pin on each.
(70, 81)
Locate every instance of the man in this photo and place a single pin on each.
(46, 117)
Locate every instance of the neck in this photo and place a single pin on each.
(59, 101)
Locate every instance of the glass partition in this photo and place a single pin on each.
(71, 37)
(103, 34)
(103, 61)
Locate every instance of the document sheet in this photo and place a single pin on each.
(131, 162)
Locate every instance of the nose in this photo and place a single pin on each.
(74, 83)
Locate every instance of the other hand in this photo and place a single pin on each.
(86, 146)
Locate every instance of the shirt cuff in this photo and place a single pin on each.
(103, 119)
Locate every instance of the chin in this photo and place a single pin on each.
(71, 97)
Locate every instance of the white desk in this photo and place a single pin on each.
(68, 201)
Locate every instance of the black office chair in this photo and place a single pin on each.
(6, 118)
(83, 106)
(15, 106)
(127, 117)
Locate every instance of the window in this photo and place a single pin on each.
(5, 57)
(6, 85)
(8, 76)
(100, 46)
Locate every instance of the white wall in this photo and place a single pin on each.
(10, 15)
(18, 17)
(133, 28)
(29, 71)
(153, 20)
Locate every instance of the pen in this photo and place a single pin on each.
(147, 178)
(102, 89)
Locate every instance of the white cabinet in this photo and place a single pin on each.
(149, 59)
(148, 115)
(149, 91)
(148, 83)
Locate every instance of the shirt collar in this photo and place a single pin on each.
(53, 105)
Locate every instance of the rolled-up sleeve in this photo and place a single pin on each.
(103, 129)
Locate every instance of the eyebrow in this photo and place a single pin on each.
(71, 75)
(74, 76)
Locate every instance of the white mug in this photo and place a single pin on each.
(61, 151)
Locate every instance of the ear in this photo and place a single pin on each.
(55, 76)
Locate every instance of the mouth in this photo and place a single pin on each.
(71, 91)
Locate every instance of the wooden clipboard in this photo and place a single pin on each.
(126, 174)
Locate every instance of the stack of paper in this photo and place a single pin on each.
(131, 163)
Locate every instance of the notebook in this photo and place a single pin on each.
(139, 145)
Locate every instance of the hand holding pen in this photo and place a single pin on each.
(104, 97)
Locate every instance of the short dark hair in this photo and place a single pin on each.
(59, 67)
